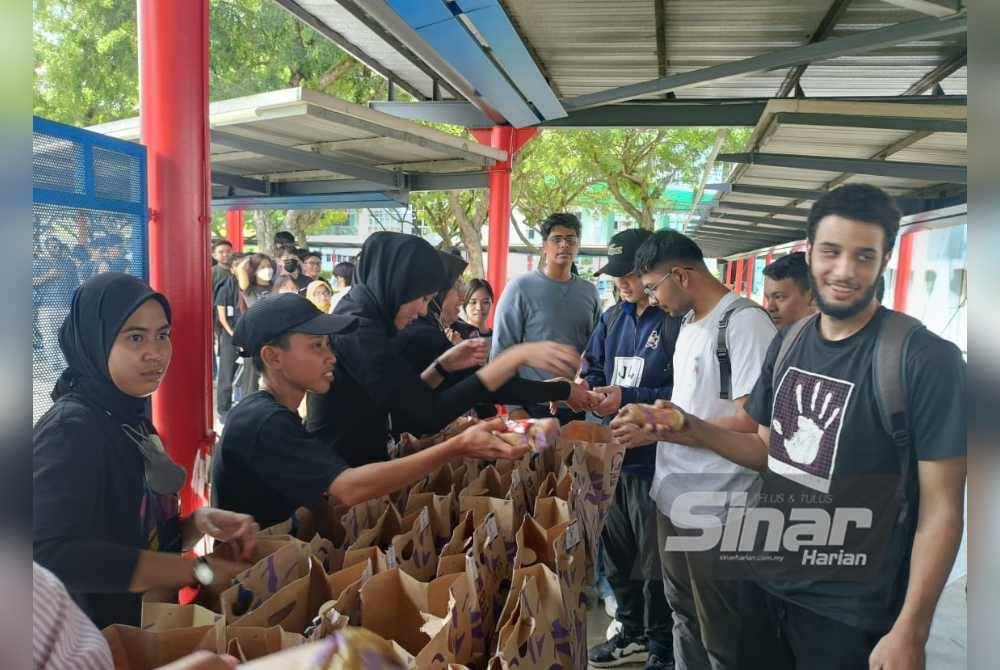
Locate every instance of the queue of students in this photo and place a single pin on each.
(769, 416)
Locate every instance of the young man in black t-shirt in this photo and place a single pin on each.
(268, 463)
(858, 586)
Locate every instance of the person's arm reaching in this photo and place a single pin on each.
(370, 481)
(223, 319)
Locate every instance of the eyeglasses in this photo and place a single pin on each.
(650, 290)
(571, 240)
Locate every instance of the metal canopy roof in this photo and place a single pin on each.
(298, 148)
(801, 149)
(571, 62)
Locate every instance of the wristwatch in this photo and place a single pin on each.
(203, 573)
(440, 369)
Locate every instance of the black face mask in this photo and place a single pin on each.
(291, 265)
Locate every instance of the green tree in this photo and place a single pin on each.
(86, 58)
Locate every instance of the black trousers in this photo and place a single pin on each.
(780, 635)
(632, 564)
(228, 354)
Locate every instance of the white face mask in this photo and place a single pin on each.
(265, 274)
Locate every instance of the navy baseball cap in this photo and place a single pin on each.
(274, 315)
(621, 252)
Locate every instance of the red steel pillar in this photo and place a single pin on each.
(510, 140)
(234, 228)
(902, 287)
(173, 113)
(738, 284)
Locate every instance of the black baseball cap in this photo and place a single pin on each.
(274, 315)
(621, 252)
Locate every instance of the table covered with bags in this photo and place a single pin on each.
(480, 565)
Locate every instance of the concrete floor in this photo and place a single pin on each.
(945, 650)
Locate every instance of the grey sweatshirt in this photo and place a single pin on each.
(534, 308)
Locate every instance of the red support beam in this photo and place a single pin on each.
(903, 262)
(173, 112)
(234, 228)
(510, 140)
(738, 284)
(749, 275)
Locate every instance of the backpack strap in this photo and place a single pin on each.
(669, 329)
(789, 338)
(889, 377)
(722, 345)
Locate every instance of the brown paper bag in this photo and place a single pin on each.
(136, 649)
(159, 617)
(294, 606)
(345, 606)
(536, 590)
(597, 468)
(413, 549)
(388, 525)
(267, 577)
(249, 642)
(488, 566)
(561, 549)
(443, 511)
(349, 649)
(361, 516)
(378, 558)
(451, 647)
(488, 495)
(550, 512)
(399, 608)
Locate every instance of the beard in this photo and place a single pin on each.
(842, 312)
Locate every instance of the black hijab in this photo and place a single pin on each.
(100, 307)
(454, 266)
(392, 269)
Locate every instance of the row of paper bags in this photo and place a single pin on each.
(479, 565)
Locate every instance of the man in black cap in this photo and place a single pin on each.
(629, 359)
(268, 463)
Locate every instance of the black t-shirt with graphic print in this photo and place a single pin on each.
(828, 450)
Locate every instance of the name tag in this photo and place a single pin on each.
(628, 371)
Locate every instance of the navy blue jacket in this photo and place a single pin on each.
(636, 354)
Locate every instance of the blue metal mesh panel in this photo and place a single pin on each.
(89, 209)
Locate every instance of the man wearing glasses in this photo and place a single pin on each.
(550, 303)
(675, 277)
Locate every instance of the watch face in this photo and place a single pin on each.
(204, 574)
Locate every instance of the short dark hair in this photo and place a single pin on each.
(667, 246)
(281, 341)
(281, 281)
(283, 249)
(565, 219)
(474, 285)
(306, 253)
(793, 266)
(345, 271)
(284, 237)
(861, 202)
(219, 242)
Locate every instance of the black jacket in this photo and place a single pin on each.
(373, 382)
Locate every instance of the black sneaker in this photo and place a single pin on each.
(618, 651)
(654, 662)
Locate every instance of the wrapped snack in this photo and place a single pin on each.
(539, 434)
(644, 415)
(348, 649)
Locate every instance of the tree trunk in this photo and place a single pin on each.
(298, 222)
(471, 235)
(264, 228)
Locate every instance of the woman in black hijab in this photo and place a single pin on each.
(425, 340)
(396, 278)
(106, 515)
